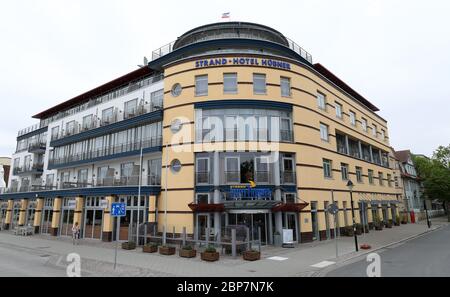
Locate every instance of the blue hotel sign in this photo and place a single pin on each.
(249, 193)
(242, 62)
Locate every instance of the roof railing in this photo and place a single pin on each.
(168, 48)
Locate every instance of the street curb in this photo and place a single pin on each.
(325, 271)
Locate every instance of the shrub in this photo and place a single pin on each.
(210, 249)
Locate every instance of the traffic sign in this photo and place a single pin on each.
(333, 209)
(118, 209)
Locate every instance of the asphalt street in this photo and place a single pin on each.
(425, 256)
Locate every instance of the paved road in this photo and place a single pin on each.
(22, 263)
(427, 256)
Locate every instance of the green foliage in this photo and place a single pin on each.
(210, 249)
(187, 248)
(435, 174)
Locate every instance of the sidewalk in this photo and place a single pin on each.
(98, 258)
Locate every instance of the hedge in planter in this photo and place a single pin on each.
(251, 255)
(210, 254)
(187, 252)
(150, 248)
(129, 245)
(167, 250)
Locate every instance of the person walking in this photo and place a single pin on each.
(75, 233)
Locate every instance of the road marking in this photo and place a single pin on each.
(278, 258)
(323, 264)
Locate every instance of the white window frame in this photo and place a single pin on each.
(339, 110)
(198, 79)
(330, 168)
(238, 168)
(353, 118)
(236, 85)
(267, 162)
(364, 124)
(259, 76)
(285, 199)
(286, 80)
(327, 131)
(197, 165)
(198, 194)
(321, 101)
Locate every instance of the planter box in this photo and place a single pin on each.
(167, 250)
(251, 256)
(188, 253)
(150, 249)
(210, 257)
(129, 246)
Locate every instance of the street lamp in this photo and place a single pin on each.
(350, 186)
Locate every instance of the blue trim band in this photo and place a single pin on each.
(145, 190)
(259, 104)
(151, 117)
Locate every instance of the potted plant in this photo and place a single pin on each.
(167, 250)
(129, 245)
(378, 224)
(348, 231)
(187, 252)
(251, 255)
(150, 247)
(210, 254)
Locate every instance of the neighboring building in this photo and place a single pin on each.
(413, 192)
(5, 166)
(236, 126)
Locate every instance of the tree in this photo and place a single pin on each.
(435, 175)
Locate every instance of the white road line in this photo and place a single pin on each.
(278, 258)
(323, 264)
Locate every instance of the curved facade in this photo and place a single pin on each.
(251, 133)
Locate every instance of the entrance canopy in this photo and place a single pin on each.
(251, 204)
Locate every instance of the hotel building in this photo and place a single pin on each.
(231, 124)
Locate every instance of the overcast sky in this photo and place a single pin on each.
(395, 53)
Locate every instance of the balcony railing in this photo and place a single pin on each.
(117, 116)
(154, 180)
(203, 177)
(288, 177)
(37, 147)
(107, 151)
(29, 169)
(168, 48)
(232, 177)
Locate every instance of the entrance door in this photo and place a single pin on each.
(203, 222)
(29, 221)
(129, 223)
(260, 223)
(292, 224)
(93, 218)
(67, 216)
(47, 216)
(385, 214)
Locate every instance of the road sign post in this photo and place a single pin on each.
(118, 210)
(334, 210)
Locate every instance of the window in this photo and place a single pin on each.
(321, 101)
(262, 169)
(202, 198)
(176, 90)
(324, 132)
(364, 124)
(383, 134)
(49, 180)
(389, 178)
(338, 107)
(374, 130)
(327, 168)
(201, 85)
(107, 116)
(82, 176)
(16, 163)
(156, 99)
(290, 198)
(344, 171)
(359, 176)
(371, 177)
(232, 174)
(285, 87)
(203, 171)
(259, 83)
(154, 172)
(352, 118)
(102, 174)
(381, 178)
(87, 122)
(70, 128)
(286, 130)
(345, 206)
(230, 85)
(126, 169)
(175, 166)
(130, 109)
(55, 132)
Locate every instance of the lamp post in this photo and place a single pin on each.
(350, 187)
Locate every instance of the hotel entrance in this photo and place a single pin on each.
(47, 216)
(254, 220)
(93, 218)
(67, 216)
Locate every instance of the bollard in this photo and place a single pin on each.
(233, 243)
(259, 239)
(207, 237)
(184, 236)
(248, 238)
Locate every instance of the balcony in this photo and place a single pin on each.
(203, 178)
(105, 153)
(258, 135)
(37, 147)
(37, 168)
(154, 180)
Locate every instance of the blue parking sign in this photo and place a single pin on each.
(118, 209)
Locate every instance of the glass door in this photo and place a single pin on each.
(15, 215)
(47, 216)
(67, 216)
(93, 218)
(29, 221)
